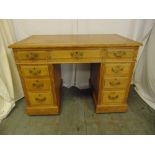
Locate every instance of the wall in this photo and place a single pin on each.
(27, 27)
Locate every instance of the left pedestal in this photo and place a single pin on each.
(41, 81)
(42, 87)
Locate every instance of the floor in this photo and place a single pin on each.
(78, 117)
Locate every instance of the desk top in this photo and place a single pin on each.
(92, 40)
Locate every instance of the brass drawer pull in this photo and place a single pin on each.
(76, 54)
(37, 84)
(35, 71)
(119, 54)
(115, 82)
(117, 69)
(39, 99)
(32, 56)
(113, 97)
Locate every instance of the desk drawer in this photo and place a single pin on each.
(76, 55)
(114, 53)
(117, 69)
(34, 70)
(42, 98)
(113, 96)
(30, 55)
(115, 82)
(37, 84)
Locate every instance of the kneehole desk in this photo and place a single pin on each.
(112, 58)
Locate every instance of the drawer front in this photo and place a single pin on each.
(37, 84)
(42, 98)
(31, 55)
(117, 69)
(76, 54)
(114, 82)
(34, 70)
(121, 53)
(113, 96)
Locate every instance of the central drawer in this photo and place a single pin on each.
(91, 55)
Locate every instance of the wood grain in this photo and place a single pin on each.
(93, 40)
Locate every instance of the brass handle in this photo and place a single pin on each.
(117, 69)
(119, 54)
(113, 97)
(32, 56)
(37, 84)
(40, 99)
(35, 71)
(76, 54)
(115, 82)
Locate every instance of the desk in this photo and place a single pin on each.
(112, 58)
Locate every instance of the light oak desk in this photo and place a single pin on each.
(112, 59)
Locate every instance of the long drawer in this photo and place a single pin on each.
(76, 55)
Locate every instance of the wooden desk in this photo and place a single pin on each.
(112, 59)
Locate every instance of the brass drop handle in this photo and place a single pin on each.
(35, 71)
(76, 54)
(119, 54)
(32, 56)
(113, 97)
(37, 84)
(40, 99)
(115, 82)
(117, 69)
